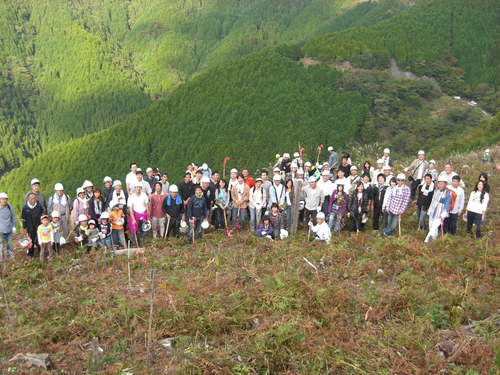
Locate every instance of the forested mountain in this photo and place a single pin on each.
(248, 110)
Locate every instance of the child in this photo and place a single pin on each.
(82, 230)
(321, 230)
(56, 227)
(265, 228)
(116, 217)
(93, 236)
(45, 238)
(105, 232)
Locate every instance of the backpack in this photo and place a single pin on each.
(453, 199)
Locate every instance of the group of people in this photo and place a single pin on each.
(324, 196)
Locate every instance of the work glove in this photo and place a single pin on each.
(121, 221)
(444, 215)
(13, 230)
(269, 237)
(310, 223)
(101, 235)
(318, 209)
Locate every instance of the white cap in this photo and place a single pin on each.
(300, 171)
(54, 214)
(312, 179)
(432, 161)
(276, 169)
(380, 161)
(204, 166)
(148, 170)
(80, 190)
(107, 179)
(82, 217)
(58, 186)
(325, 173)
(104, 215)
(138, 170)
(114, 203)
(387, 151)
(307, 164)
(354, 168)
(421, 152)
(326, 163)
(91, 222)
(487, 150)
(386, 167)
(87, 184)
(34, 181)
(293, 165)
(330, 148)
(173, 189)
(276, 177)
(205, 179)
(442, 179)
(116, 183)
(3, 195)
(320, 215)
(296, 154)
(234, 170)
(401, 176)
(286, 155)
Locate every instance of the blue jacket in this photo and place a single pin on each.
(197, 207)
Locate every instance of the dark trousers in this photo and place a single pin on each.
(377, 213)
(173, 226)
(474, 218)
(311, 214)
(450, 224)
(356, 223)
(197, 230)
(324, 208)
(414, 186)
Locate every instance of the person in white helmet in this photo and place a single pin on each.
(156, 210)
(314, 199)
(30, 217)
(174, 210)
(297, 160)
(439, 208)
(62, 204)
(108, 188)
(417, 169)
(80, 205)
(105, 232)
(321, 231)
(88, 187)
(206, 172)
(7, 227)
(386, 158)
(138, 207)
(333, 160)
(118, 195)
(40, 197)
(285, 164)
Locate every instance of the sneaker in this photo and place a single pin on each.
(10, 255)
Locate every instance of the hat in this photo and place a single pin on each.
(91, 222)
(146, 226)
(204, 224)
(320, 215)
(276, 169)
(44, 217)
(421, 152)
(114, 203)
(107, 179)
(296, 154)
(54, 214)
(307, 164)
(312, 179)
(104, 215)
(401, 176)
(326, 163)
(300, 171)
(234, 170)
(117, 183)
(442, 179)
(149, 170)
(173, 189)
(35, 181)
(386, 167)
(330, 148)
(276, 177)
(380, 161)
(325, 173)
(3, 195)
(286, 155)
(205, 179)
(259, 179)
(138, 171)
(354, 168)
(58, 186)
(134, 185)
(79, 190)
(82, 217)
(277, 156)
(487, 150)
(432, 161)
(204, 166)
(87, 184)
(156, 170)
(387, 151)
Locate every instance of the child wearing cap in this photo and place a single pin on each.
(117, 218)
(93, 236)
(56, 227)
(82, 230)
(45, 238)
(105, 232)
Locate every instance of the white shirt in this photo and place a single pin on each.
(475, 204)
(146, 188)
(130, 179)
(322, 231)
(460, 201)
(138, 203)
(342, 181)
(326, 186)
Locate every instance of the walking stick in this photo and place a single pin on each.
(399, 224)
(166, 229)
(192, 227)
(224, 168)
(238, 225)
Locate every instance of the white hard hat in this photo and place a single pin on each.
(312, 179)
(87, 184)
(173, 189)
(276, 169)
(387, 151)
(300, 171)
(3, 195)
(442, 179)
(91, 222)
(34, 181)
(286, 155)
(234, 170)
(82, 217)
(79, 190)
(114, 203)
(421, 152)
(149, 170)
(401, 176)
(58, 186)
(54, 214)
(204, 166)
(205, 179)
(386, 167)
(117, 183)
(104, 215)
(354, 168)
(326, 163)
(330, 148)
(432, 161)
(307, 164)
(277, 177)
(380, 161)
(320, 215)
(146, 226)
(107, 179)
(204, 224)
(487, 150)
(325, 173)
(296, 154)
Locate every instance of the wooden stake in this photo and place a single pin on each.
(128, 268)
(153, 279)
(95, 352)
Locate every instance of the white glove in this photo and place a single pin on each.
(121, 222)
(80, 239)
(94, 240)
(213, 208)
(444, 215)
(13, 230)
(268, 236)
(406, 169)
(318, 209)
(310, 223)
(266, 213)
(101, 235)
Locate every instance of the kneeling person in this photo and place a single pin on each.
(321, 231)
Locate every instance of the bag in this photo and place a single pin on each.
(410, 178)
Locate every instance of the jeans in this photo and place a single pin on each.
(474, 218)
(140, 235)
(6, 239)
(421, 218)
(392, 223)
(450, 224)
(289, 217)
(243, 214)
(254, 217)
(336, 222)
(118, 237)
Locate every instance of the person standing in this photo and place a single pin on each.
(31, 218)
(62, 204)
(327, 185)
(451, 222)
(40, 197)
(45, 236)
(196, 210)
(131, 177)
(80, 205)
(257, 201)
(7, 227)
(119, 196)
(240, 195)
(424, 200)
(396, 204)
(439, 208)
(165, 185)
(138, 207)
(96, 205)
(476, 208)
(357, 208)
(314, 199)
(417, 169)
(173, 208)
(333, 160)
(378, 194)
(156, 210)
(386, 159)
(186, 189)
